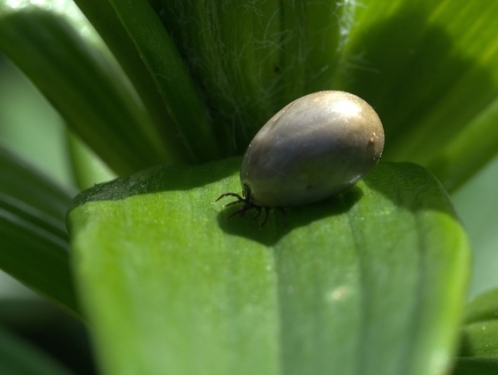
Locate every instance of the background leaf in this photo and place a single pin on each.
(476, 366)
(430, 71)
(480, 332)
(35, 244)
(136, 38)
(480, 339)
(189, 118)
(476, 204)
(418, 66)
(482, 308)
(372, 279)
(14, 353)
(86, 88)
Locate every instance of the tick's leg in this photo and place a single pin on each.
(234, 202)
(239, 198)
(267, 209)
(242, 211)
(230, 195)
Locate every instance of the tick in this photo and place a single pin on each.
(315, 147)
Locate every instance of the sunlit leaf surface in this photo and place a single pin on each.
(371, 281)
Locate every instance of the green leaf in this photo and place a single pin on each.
(252, 58)
(476, 204)
(87, 168)
(483, 307)
(311, 32)
(86, 87)
(371, 281)
(458, 160)
(480, 339)
(430, 70)
(35, 244)
(24, 183)
(145, 50)
(476, 366)
(480, 333)
(188, 114)
(157, 72)
(232, 51)
(19, 358)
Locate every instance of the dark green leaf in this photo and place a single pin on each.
(476, 366)
(480, 339)
(19, 358)
(252, 58)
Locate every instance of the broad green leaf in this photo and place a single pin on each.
(85, 87)
(20, 358)
(431, 70)
(371, 281)
(34, 241)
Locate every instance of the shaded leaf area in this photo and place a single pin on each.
(34, 239)
(87, 89)
(252, 58)
(158, 72)
(19, 357)
(370, 281)
(480, 339)
(247, 60)
(431, 73)
(480, 332)
(476, 366)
